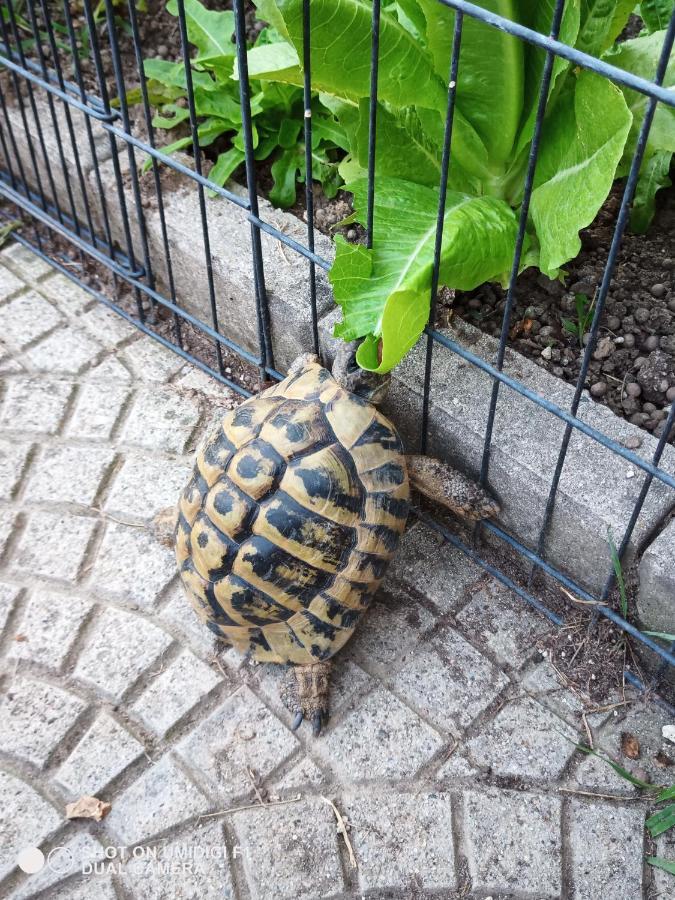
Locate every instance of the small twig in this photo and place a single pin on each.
(106, 515)
(249, 773)
(579, 600)
(601, 709)
(233, 809)
(599, 796)
(576, 652)
(589, 733)
(342, 829)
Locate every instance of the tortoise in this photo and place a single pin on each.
(294, 508)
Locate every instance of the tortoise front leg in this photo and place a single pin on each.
(440, 482)
(305, 693)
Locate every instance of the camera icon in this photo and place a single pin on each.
(60, 860)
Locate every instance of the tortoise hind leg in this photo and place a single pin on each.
(305, 693)
(440, 482)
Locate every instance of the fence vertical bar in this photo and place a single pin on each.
(544, 88)
(114, 156)
(133, 21)
(69, 120)
(77, 71)
(608, 273)
(309, 185)
(372, 121)
(442, 196)
(262, 310)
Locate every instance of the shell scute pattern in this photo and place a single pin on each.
(294, 508)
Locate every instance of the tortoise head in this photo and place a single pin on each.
(350, 376)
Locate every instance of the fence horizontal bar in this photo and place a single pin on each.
(131, 279)
(496, 573)
(578, 591)
(99, 115)
(289, 241)
(635, 682)
(551, 407)
(52, 77)
(585, 60)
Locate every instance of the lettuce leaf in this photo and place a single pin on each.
(384, 293)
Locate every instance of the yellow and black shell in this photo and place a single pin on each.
(293, 511)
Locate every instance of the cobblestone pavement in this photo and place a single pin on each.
(450, 749)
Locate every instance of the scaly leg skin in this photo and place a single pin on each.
(305, 693)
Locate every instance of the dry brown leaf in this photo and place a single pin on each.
(630, 746)
(163, 526)
(88, 808)
(662, 760)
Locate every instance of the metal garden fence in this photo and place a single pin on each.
(48, 64)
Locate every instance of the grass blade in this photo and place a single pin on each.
(668, 865)
(661, 821)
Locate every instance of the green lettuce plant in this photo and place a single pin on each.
(276, 109)
(588, 138)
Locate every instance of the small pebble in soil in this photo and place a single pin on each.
(628, 340)
(658, 291)
(670, 394)
(599, 389)
(633, 442)
(633, 389)
(351, 234)
(546, 353)
(613, 323)
(651, 343)
(641, 315)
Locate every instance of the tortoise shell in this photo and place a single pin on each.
(293, 511)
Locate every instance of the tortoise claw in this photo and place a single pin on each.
(297, 721)
(316, 724)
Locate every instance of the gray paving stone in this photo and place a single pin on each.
(402, 841)
(662, 882)
(449, 686)
(524, 740)
(7, 528)
(195, 380)
(50, 623)
(13, 456)
(289, 852)
(132, 565)
(161, 798)
(192, 866)
(367, 743)
(26, 318)
(644, 721)
(80, 888)
(34, 718)
(119, 649)
(502, 624)
(304, 775)
(161, 420)
(68, 474)
(180, 618)
(53, 545)
(103, 753)
(65, 351)
(174, 692)
(543, 683)
(8, 594)
(433, 567)
(109, 371)
(9, 283)
(106, 326)
(606, 849)
(26, 263)
(62, 861)
(239, 735)
(144, 486)
(389, 631)
(458, 766)
(513, 842)
(70, 298)
(148, 360)
(35, 406)
(25, 820)
(97, 409)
